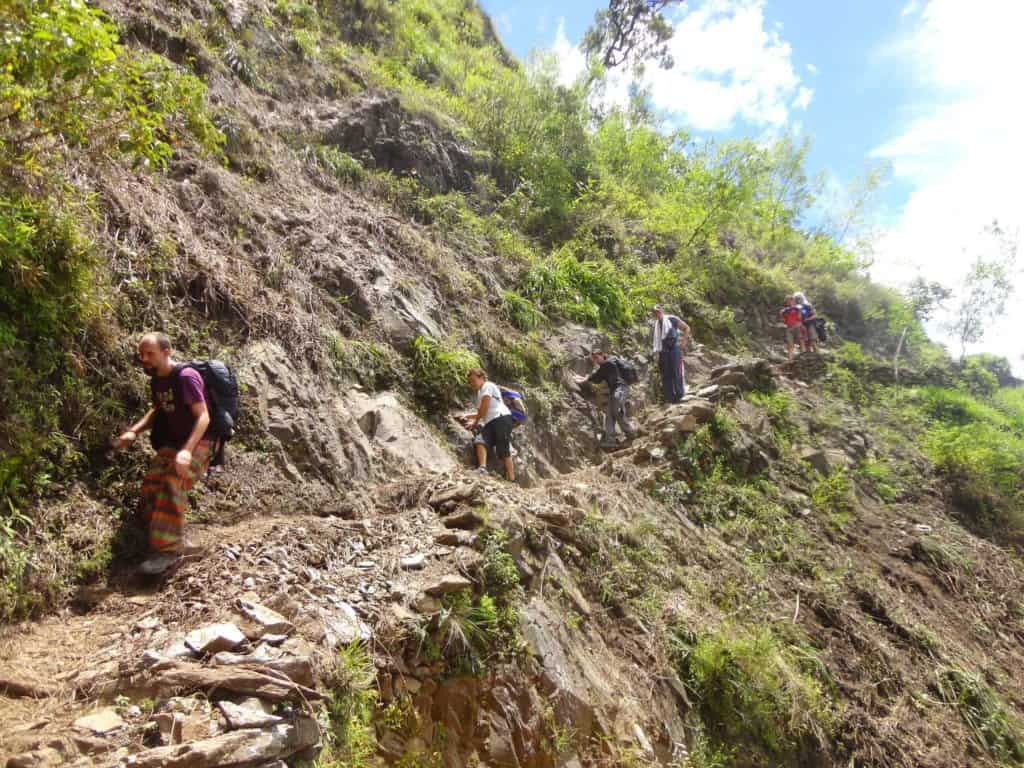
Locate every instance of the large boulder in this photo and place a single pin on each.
(396, 434)
(378, 130)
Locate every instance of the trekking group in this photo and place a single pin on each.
(803, 326)
(193, 408)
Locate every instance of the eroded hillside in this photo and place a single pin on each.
(809, 564)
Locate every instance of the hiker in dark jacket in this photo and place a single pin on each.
(179, 409)
(669, 337)
(609, 372)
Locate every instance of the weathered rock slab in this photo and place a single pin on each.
(448, 585)
(214, 638)
(270, 621)
(244, 747)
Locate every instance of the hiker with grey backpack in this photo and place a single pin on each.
(193, 413)
(618, 374)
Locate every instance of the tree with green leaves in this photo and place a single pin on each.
(987, 288)
(630, 31)
(66, 80)
(926, 298)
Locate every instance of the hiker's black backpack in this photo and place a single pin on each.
(627, 370)
(819, 326)
(221, 389)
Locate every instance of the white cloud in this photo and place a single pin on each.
(960, 151)
(730, 65)
(571, 61)
(911, 8)
(803, 98)
(812, 69)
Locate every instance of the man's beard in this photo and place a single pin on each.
(149, 370)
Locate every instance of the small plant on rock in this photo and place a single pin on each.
(439, 370)
(349, 739)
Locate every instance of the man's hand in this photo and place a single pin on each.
(125, 439)
(183, 461)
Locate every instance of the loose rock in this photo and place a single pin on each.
(214, 638)
(102, 723)
(449, 585)
(271, 621)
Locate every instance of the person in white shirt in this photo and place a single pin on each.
(495, 423)
(669, 337)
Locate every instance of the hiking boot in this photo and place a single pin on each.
(482, 470)
(159, 563)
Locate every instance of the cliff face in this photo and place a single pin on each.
(773, 573)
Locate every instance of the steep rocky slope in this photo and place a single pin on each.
(773, 574)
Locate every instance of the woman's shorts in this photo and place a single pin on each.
(497, 436)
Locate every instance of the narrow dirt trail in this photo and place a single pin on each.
(302, 565)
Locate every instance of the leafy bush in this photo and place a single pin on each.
(67, 53)
(759, 700)
(341, 165)
(46, 285)
(979, 448)
(780, 407)
(439, 370)
(882, 478)
(833, 496)
(520, 312)
(350, 679)
(590, 291)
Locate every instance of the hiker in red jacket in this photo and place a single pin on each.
(793, 319)
(179, 414)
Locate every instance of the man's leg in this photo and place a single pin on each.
(608, 438)
(169, 493)
(812, 338)
(481, 454)
(677, 373)
(665, 369)
(621, 398)
(510, 469)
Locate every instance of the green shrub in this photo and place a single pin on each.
(978, 447)
(590, 291)
(833, 496)
(521, 312)
(882, 478)
(758, 699)
(341, 165)
(439, 371)
(59, 54)
(780, 408)
(46, 283)
(995, 727)
(350, 680)
(847, 385)
(512, 360)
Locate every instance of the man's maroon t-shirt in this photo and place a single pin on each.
(179, 416)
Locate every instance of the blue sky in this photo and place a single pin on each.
(930, 86)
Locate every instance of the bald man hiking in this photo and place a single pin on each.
(669, 337)
(180, 420)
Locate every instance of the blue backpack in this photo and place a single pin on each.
(515, 402)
